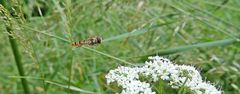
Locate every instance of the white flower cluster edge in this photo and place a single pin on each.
(159, 68)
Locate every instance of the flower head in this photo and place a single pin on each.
(159, 68)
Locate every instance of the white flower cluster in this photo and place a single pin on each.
(159, 68)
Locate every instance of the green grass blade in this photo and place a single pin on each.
(71, 87)
(194, 46)
(18, 61)
(125, 35)
(47, 34)
(107, 55)
(222, 6)
(26, 77)
(14, 47)
(136, 32)
(211, 15)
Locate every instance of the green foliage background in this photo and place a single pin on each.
(132, 30)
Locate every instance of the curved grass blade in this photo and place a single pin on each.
(71, 87)
(220, 5)
(210, 15)
(136, 32)
(107, 55)
(194, 46)
(125, 35)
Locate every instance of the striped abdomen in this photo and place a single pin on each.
(90, 41)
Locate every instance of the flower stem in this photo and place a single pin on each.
(182, 87)
(161, 86)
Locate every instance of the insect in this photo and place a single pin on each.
(89, 41)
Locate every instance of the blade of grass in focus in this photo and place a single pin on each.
(194, 46)
(14, 46)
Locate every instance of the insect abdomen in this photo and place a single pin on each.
(90, 41)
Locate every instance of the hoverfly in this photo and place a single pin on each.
(89, 41)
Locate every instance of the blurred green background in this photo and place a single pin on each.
(203, 33)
